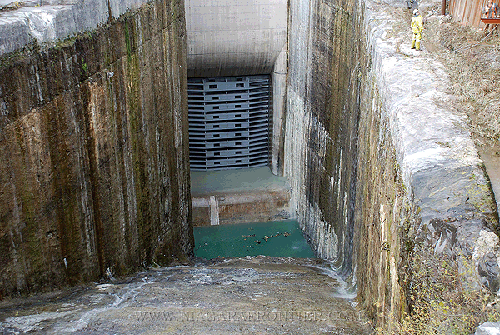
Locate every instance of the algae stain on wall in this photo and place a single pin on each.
(322, 119)
(94, 177)
(339, 155)
(358, 200)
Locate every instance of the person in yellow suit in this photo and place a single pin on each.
(417, 25)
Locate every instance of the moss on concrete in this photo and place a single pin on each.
(82, 197)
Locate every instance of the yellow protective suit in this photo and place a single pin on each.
(416, 27)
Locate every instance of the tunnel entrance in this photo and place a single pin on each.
(228, 122)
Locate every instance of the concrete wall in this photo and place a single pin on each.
(321, 122)
(437, 208)
(239, 37)
(234, 37)
(385, 178)
(94, 167)
(46, 21)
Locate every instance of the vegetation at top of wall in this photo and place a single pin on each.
(439, 299)
(11, 58)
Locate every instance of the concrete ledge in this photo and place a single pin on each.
(441, 169)
(241, 196)
(438, 158)
(55, 20)
(245, 207)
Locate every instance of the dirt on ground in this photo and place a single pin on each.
(471, 57)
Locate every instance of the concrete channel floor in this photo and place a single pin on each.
(250, 295)
(491, 159)
(237, 180)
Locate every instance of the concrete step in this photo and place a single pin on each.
(239, 196)
(244, 207)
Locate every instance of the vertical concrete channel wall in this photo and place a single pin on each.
(386, 181)
(94, 165)
(326, 69)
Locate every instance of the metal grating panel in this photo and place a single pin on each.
(228, 122)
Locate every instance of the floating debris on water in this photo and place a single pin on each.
(246, 240)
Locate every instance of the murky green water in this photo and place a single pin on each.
(277, 239)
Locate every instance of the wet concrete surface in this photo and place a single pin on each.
(491, 158)
(251, 295)
(239, 180)
(242, 196)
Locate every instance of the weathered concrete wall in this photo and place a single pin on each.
(46, 21)
(321, 121)
(384, 212)
(423, 199)
(94, 168)
(384, 174)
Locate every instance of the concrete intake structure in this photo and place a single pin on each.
(241, 38)
(234, 37)
(378, 189)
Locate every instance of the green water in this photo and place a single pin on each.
(277, 239)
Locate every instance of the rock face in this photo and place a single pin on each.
(94, 168)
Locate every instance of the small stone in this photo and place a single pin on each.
(488, 328)
(495, 65)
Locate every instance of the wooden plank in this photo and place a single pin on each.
(491, 21)
(476, 14)
(468, 12)
(463, 7)
(451, 5)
